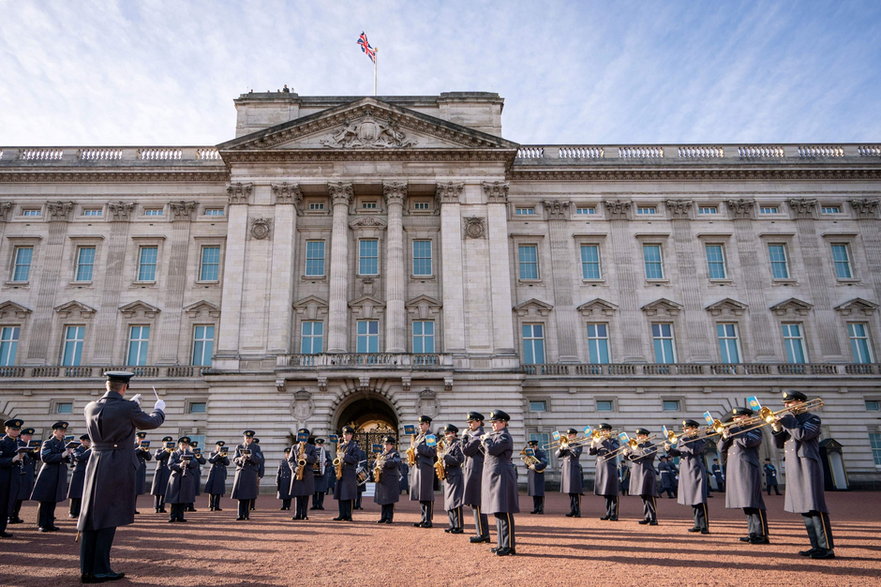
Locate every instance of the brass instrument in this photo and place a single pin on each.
(766, 416)
(631, 445)
(411, 452)
(439, 468)
(338, 460)
(378, 464)
(564, 442)
(529, 460)
(301, 461)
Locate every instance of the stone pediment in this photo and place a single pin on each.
(423, 307)
(728, 306)
(367, 307)
(792, 306)
(597, 306)
(366, 124)
(533, 306)
(662, 307)
(139, 309)
(11, 309)
(857, 306)
(196, 309)
(75, 309)
(311, 307)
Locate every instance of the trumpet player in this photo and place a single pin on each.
(215, 486)
(160, 474)
(744, 483)
(11, 461)
(422, 474)
(500, 482)
(323, 472)
(535, 478)
(388, 480)
(50, 487)
(142, 451)
(453, 458)
(643, 479)
(473, 474)
(797, 433)
(80, 458)
(572, 474)
(283, 480)
(606, 483)
(347, 457)
(302, 485)
(245, 485)
(182, 481)
(694, 486)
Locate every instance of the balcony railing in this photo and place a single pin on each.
(385, 360)
(681, 153)
(97, 371)
(700, 369)
(108, 155)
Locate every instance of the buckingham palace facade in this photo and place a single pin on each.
(366, 260)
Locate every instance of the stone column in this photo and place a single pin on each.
(395, 318)
(562, 254)
(866, 210)
(500, 272)
(284, 275)
(175, 281)
(227, 354)
(107, 316)
(628, 283)
(338, 312)
(451, 266)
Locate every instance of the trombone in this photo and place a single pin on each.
(631, 444)
(767, 416)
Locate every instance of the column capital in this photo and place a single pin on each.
(59, 210)
(617, 209)
(679, 208)
(395, 192)
(864, 207)
(449, 193)
(182, 210)
(5, 207)
(340, 192)
(802, 207)
(557, 209)
(239, 193)
(741, 208)
(120, 210)
(496, 192)
(286, 193)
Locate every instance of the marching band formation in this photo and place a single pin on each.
(474, 468)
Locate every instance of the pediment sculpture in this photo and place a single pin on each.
(368, 133)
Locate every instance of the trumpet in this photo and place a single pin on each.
(766, 416)
(564, 442)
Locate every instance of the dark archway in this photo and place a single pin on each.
(372, 417)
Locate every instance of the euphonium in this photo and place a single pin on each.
(529, 460)
(301, 461)
(439, 468)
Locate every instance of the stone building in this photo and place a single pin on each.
(367, 260)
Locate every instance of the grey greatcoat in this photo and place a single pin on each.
(606, 482)
(694, 484)
(535, 476)
(388, 488)
(499, 476)
(283, 480)
(184, 478)
(160, 473)
(571, 480)
(472, 470)
(216, 483)
(799, 440)
(454, 481)
(109, 495)
(643, 478)
(80, 458)
(347, 486)
(305, 486)
(28, 474)
(51, 483)
(200, 460)
(322, 480)
(422, 473)
(743, 486)
(141, 483)
(244, 485)
(9, 476)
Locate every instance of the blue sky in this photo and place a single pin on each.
(165, 72)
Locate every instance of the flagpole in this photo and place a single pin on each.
(375, 66)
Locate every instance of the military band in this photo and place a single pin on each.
(301, 460)
(50, 486)
(744, 483)
(606, 480)
(345, 465)
(387, 476)
(248, 459)
(215, 486)
(693, 481)
(571, 472)
(500, 482)
(422, 473)
(535, 477)
(472, 475)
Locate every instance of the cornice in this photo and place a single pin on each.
(127, 176)
(317, 155)
(693, 174)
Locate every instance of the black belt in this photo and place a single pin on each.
(99, 446)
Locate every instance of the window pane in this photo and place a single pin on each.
(726, 334)
(527, 256)
(793, 343)
(8, 345)
(367, 338)
(605, 405)
(779, 265)
(538, 406)
(875, 443)
(311, 337)
(210, 264)
(841, 260)
(203, 344)
(533, 344)
(662, 343)
(147, 263)
(315, 258)
(598, 343)
(422, 258)
(21, 269)
(590, 262)
(139, 340)
(368, 257)
(654, 268)
(423, 336)
(72, 352)
(670, 405)
(85, 261)
(860, 347)
(715, 261)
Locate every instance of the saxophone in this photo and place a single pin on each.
(411, 452)
(301, 461)
(338, 461)
(378, 464)
(439, 468)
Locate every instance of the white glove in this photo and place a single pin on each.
(159, 406)
(137, 399)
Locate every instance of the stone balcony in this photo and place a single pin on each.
(739, 370)
(107, 156)
(326, 361)
(97, 371)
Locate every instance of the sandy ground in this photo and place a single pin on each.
(271, 549)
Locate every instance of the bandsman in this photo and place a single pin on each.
(798, 433)
(345, 466)
(322, 471)
(422, 474)
(473, 475)
(744, 483)
(80, 458)
(535, 478)
(694, 484)
(386, 474)
(50, 487)
(182, 481)
(200, 460)
(500, 482)
(643, 479)
(302, 484)
(28, 469)
(215, 486)
(248, 459)
(142, 451)
(161, 473)
(606, 483)
(771, 477)
(571, 475)
(283, 481)
(10, 477)
(667, 471)
(454, 487)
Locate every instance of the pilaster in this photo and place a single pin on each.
(395, 333)
(227, 353)
(500, 277)
(338, 311)
(449, 195)
(562, 254)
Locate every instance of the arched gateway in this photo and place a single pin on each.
(372, 417)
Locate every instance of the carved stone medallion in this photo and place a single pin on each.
(475, 227)
(368, 133)
(260, 228)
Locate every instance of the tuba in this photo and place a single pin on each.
(301, 461)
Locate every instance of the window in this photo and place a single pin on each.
(138, 344)
(729, 347)
(423, 336)
(422, 205)
(598, 343)
(209, 269)
(708, 210)
(198, 407)
(605, 405)
(841, 260)
(860, 347)
(72, 351)
(524, 211)
(369, 205)
(779, 261)
(316, 205)
(31, 212)
(422, 258)
(368, 256)
(646, 210)
(203, 344)
(154, 212)
(527, 256)
(93, 212)
(716, 261)
(590, 262)
(21, 263)
(311, 337)
(367, 336)
(875, 442)
(793, 342)
(654, 264)
(8, 345)
(538, 406)
(662, 342)
(873, 405)
(586, 210)
(830, 210)
(213, 212)
(670, 405)
(64, 408)
(147, 257)
(769, 210)
(314, 258)
(85, 263)
(533, 344)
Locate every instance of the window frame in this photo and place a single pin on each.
(866, 338)
(710, 263)
(660, 339)
(196, 341)
(586, 264)
(143, 345)
(363, 259)
(659, 262)
(139, 264)
(415, 259)
(311, 337)
(16, 263)
(9, 345)
(847, 262)
(735, 340)
(787, 345)
(202, 264)
(613, 405)
(521, 247)
(786, 263)
(594, 341)
(533, 345)
(78, 345)
(431, 337)
(78, 263)
(367, 337)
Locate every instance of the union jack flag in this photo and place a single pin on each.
(366, 48)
